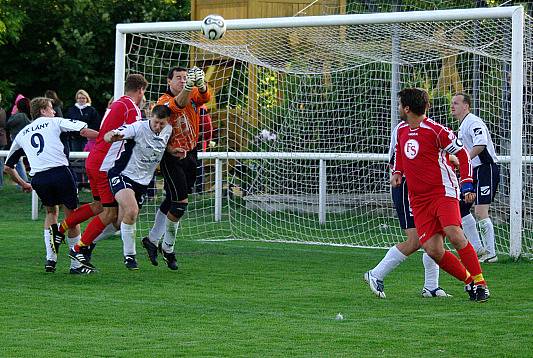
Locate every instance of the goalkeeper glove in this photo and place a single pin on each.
(200, 79)
(190, 80)
(467, 188)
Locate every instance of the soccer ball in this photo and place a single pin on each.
(213, 27)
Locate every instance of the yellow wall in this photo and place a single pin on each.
(248, 9)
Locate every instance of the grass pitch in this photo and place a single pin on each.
(244, 299)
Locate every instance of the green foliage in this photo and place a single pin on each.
(12, 19)
(66, 45)
(267, 88)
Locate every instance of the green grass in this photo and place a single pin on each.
(244, 299)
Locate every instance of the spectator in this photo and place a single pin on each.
(57, 104)
(14, 110)
(3, 141)
(85, 112)
(15, 123)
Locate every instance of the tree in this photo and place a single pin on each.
(66, 45)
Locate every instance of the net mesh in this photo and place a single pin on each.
(328, 90)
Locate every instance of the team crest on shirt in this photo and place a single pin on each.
(411, 148)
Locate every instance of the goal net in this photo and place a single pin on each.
(303, 109)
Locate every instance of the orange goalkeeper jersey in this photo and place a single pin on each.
(185, 121)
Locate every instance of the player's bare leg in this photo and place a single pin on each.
(396, 255)
(128, 211)
(73, 235)
(94, 228)
(81, 214)
(52, 213)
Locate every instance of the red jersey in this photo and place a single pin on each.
(422, 155)
(185, 121)
(122, 111)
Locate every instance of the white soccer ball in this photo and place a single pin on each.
(213, 27)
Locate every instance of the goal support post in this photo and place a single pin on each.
(133, 41)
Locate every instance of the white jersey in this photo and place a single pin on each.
(393, 140)
(41, 144)
(472, 132)
(142, 152)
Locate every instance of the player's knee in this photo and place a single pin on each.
(482, 211)
(165, 206)
(178, 210)
(52, 210)
(109, 215)
(435, 253)
(96, 207)
(456, 236)
(130, 214)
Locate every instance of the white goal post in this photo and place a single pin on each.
(303, 108)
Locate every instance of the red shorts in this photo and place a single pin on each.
(431, 216)
(100, 187)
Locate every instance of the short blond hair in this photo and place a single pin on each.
(83, 93)
(37, 104)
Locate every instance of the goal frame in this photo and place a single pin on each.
(515, 13)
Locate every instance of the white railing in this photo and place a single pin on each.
(219, 157)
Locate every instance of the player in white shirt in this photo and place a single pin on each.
(144, 145)
(51, 177)
(477, 140)
(398, 253)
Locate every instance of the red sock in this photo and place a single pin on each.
(451, 264)
(470, 261)
(76, 217)
(95, 228)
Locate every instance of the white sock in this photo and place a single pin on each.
(127, 232)
(158, 229)
(471, 233)
(486, 230)
(392, 259)
(431, 272)
(71, 241)
(109, 230)
(50, 254)
(171, 228)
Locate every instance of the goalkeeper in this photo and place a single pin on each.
(186, 92)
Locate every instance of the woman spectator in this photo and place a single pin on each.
(15, 110)
(14, 125)
(82, 111)
(3, 141)
(56, 102)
